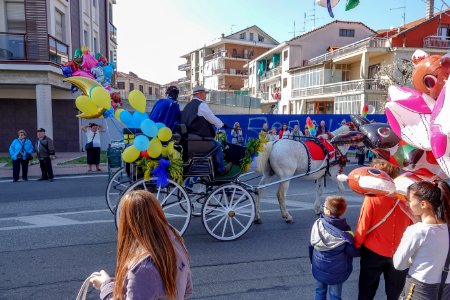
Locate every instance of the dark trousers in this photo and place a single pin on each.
(372, 266)
(46, 168)
(16, 169)
(361, 159)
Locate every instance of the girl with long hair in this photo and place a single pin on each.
(152, 261)
(425, 245)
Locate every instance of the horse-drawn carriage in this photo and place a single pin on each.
(225, 203)
(227, 209)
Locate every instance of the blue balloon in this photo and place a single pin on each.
(141, 142)
(149, 128)
(108, 71)
(67, 71)
(138, 117)
(109, 113)
(127, 119)
(160, 125)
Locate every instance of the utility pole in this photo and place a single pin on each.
(231, 28)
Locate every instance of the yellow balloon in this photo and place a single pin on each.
(164, 134)
(130, 154)
(101, 97)
(155, 148)
(86, 105)
(137, 100)
(83, 83)
(117, 113)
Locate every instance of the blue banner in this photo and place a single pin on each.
(252, 124)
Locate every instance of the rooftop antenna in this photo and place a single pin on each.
(404, 11)
(294, 32)
(231, 28)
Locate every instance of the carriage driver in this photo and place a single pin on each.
(199, 120)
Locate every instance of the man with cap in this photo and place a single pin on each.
(199, 120)
(167, 111)
(45, 152)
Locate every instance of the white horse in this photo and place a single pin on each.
(285, 158)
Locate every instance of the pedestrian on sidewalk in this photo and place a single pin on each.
(331, 249)
(382, 222)
(21, 152)
(152, 260)
(93, 145)
(424, 247)
(45, 153)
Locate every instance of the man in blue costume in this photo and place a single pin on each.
(167, 110)
(199, 120)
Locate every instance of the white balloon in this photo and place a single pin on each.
(323, 3)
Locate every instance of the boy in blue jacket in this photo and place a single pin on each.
(331, 249)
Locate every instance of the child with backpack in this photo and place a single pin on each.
(331, 249)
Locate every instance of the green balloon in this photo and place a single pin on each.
(77, 53)
(351, 4)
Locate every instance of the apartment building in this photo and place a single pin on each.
(219, 65)
(36, 38)
(271, 77)
(131, 81)
(346, 78)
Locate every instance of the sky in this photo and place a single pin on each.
(153, 34)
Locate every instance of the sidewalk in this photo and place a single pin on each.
(34, 171)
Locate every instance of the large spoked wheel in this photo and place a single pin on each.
(173, 199)
(117, 185)
(228, 212)
(198, 192)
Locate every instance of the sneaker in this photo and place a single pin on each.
(25, 179)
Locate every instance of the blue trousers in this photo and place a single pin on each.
(218, 156)
(334, 290)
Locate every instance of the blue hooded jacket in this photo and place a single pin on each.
(16, 147)
(166, 111)
(331, 250)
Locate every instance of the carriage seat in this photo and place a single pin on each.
(199, 145)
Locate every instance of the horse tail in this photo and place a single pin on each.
(263, 158)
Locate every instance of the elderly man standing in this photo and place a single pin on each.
(45, 151)
(199, 120)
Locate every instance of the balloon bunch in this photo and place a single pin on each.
(329, 4)
(311, 126)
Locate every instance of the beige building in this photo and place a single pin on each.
(125, 83)
(219, 65)
(36, 38)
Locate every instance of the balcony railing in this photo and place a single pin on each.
(184, 67)
(113, 33)
(339, 88)
(13, 46)
(230, 72)
(184, 80)
(271, 73)
(436, 42)
(267, 97)
(371, 42)
(58, 51)
(225, 54)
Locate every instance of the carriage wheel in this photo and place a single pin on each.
(172, 198)
(228, 212)
(197, 194)
(117, 185)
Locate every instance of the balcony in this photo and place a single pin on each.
(58, 51)
(234, 72)
(436, 42)
(13, 47)
(225, 54)
(339, 88)
(184, 80)
(271, 73)
(184, 67)
(267, 97)
(113, 33)
(371, 42)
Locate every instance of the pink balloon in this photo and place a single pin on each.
(83, 74)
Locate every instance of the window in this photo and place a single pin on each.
(110, 12)
(94, 3)
(86, 37)
(347, 32)
(15, 17)
(141, 88)
(260, 38)
(95, 45)
(131, 86)
(121, 85)
(251, 36)
(284, 82)
(60, 26)
(150, 90)
(285, 55)
(242, 36)
(156, 92)
(373, 71)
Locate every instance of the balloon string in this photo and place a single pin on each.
(120, 132)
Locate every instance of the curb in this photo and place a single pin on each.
(61, 175)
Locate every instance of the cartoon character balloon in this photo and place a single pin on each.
(329, 4)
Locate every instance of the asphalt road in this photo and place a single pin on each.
(54, 234)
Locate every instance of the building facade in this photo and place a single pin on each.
(131, 81)
(36, 38)
(219, 65)
(271, 77)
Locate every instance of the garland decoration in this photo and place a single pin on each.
(251, 149)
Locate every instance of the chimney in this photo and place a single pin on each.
(223, 35)
(430, 9)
